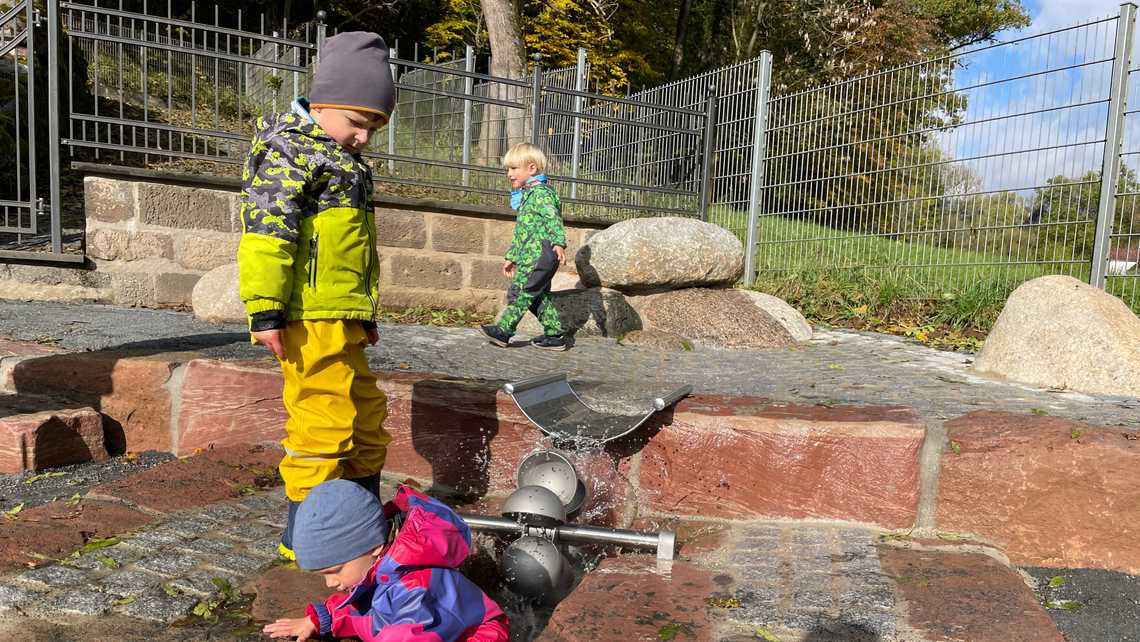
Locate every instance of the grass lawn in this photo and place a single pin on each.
(946, 297)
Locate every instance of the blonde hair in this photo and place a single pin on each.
(524, 154)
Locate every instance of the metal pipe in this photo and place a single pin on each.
(663, 542)
(661, 403)
(526, 384)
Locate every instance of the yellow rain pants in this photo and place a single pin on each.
(336, 412)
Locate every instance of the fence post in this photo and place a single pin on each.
(576, 141)
(322, 33)
(53, 122)
(759, 154)
(536, 100)
(706, 156)
(1110, 167)
(468, 90)
(392, 117)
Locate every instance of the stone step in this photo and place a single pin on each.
(38, 433)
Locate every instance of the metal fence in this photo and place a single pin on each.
(453, 124)
(148, 88)
(980, 169)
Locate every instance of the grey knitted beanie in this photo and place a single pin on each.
(353, 73)
(339, 521)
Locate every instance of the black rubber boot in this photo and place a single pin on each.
(370, 483)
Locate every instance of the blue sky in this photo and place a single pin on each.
(1024, 126)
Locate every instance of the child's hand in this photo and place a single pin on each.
(373, 336)
(508, 269)
(560, 252)
(272, 340)
(302, 628)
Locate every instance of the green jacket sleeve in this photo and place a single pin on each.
(272, 195)
(518, 241)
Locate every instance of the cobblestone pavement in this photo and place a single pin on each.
(805, 580)
(158, 574)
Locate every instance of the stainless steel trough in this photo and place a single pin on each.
(552, 405)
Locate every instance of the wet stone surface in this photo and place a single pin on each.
(805, 579)
(834, 367)
(158, 606)
(157, 575)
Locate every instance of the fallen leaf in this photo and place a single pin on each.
(124, 601)
(1039, 412)
(1063, 605)
(74, 500)
(35, 478)
(1056, 581)
(403, 366)
(1075, 434)
(956, 447)
(11, 513)
(130, 457)
(766, 635)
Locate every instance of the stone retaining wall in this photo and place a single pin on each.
(1045, 491)
(151, 236)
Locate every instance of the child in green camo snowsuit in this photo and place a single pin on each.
(536, 251)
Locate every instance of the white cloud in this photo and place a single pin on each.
(1056, 14)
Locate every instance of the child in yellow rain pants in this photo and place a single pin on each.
(309, 271)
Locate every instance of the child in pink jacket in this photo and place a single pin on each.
(404, 588)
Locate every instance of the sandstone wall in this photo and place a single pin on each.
(151, 236)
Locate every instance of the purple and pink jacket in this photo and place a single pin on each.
(414, 593)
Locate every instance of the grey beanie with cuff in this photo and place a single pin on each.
(338, 522)
(353, 73)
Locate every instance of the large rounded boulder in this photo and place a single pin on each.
(1058, 332)
(215, 297)
(648, 255)
(716, 318)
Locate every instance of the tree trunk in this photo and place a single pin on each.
(679, 41)
(504, 126)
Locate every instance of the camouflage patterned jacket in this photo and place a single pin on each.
(309, 242)
(539, 219)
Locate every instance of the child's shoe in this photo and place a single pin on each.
(497, 335)
(550, 342)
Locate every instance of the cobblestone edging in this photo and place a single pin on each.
(160, 573)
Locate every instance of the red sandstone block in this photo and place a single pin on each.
(969, 594)
(461, 434)
(226, 404)
(628, 598)
(747, 458)
(213, 476)
(38, 440)
(129, 390)
(1050, 492)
